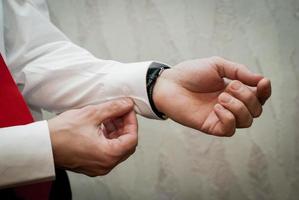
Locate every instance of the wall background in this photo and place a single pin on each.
(173, 162)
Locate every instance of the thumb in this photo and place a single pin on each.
(264, 90)
(112, 109)
(128, 139)
(235, 71)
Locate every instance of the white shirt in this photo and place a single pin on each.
(54, 74)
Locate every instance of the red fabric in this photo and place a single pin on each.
(14, 111)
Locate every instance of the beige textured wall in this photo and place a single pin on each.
(174, 162)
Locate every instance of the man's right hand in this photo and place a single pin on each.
(94, 139)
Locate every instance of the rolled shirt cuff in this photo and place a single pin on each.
(131, 80)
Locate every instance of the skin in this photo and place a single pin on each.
(94, 139)
(195, 94)
(212, 95)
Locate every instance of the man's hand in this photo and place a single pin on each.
(94, 139)
(195, 94)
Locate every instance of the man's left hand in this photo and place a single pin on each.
(212, 95)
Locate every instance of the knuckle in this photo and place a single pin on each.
(248, 123)
(135, 141)
(230, 119)
(216, 58)
(108, 164)
(105, 172)
(109, 161)
(229, 127)
(135, 145)
(98, 172)
(95, 174)
(112, 157)
(132, 147)
(227, 132)
(258, 112)
(231, 132)
(242, 66)
(115, 151)
(104, 160)
(133, 150)
(90, 174)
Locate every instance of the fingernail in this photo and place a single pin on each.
(236, 85)
(225, 98)
(219, 107)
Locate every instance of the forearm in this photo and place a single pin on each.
(81, 79)
(58, 75)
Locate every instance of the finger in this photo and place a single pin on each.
(264, 90)
(253, 90)
(236, 71)
(111, 131)
(130, 123)
(239, 110)
(227, 122)
(113, 127)
(128, 139)
(125, 157)
(109, 125)
(113, 109)
(114, 135)
(103, 131)
(118, 123)
(245, 95)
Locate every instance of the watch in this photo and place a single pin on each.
(153, 72)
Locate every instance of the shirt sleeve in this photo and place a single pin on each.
(25, 155)
(58, 75)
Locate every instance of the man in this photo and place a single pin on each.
(100, 129)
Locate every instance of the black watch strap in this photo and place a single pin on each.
(153, 72)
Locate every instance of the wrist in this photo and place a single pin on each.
(155, 70)
(53, 128)
(55, 139)
(159, 90)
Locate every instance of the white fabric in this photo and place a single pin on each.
(55, 75)
(2, 50)
(26, 154)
